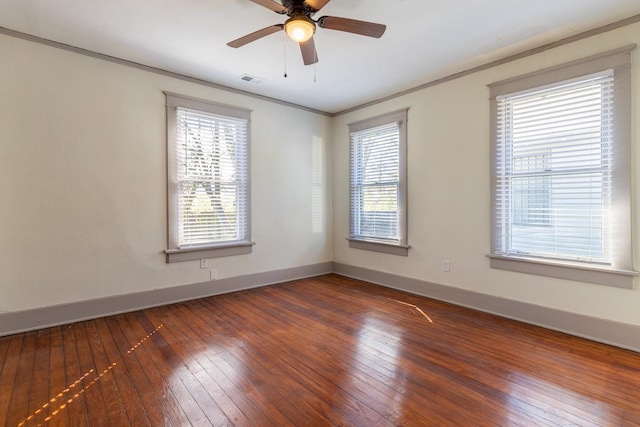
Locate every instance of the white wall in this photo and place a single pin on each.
(83, 181)
(449, 190)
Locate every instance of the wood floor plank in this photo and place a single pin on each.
(144, 369)
(190, 371)
(530, 357)
(40, 379)
(4, 349)
(12, 347)
(273, 335)
(140, 399)
(177, 378)
(321, 351)
(314, 351)
(56, 375)
(119, 392)
(97, 408)
(105, 382)
(216, 383)
(74, 380)
(317, 363)
(257, 379)
(253, 403)
(19, 403)
(373, 348)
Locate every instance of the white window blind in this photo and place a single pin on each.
(211, 178)
(554, 171)
(376, 193)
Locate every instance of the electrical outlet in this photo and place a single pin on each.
(204, 263)
(446, 265)
(214, 274)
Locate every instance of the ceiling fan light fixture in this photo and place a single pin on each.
(300, 28)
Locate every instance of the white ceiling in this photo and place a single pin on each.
(424, 41)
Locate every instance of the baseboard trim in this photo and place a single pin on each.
(605, 331)
(28, 320)
(618, 334)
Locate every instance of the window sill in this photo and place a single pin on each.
(565, 270)
(379, 246)
(204, 252)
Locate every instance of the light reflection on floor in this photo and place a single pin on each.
(415, 307)
(74, 386)
(556, 400)
(384, 342)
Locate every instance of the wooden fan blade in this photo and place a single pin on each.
(255, 35)
(317, 4)
(270, 4)
(309, 54)
(363, 28)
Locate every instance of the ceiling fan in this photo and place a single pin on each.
(300, 26)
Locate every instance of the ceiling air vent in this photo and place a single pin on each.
(252, 79)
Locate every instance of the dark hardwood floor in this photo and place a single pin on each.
(314, 352)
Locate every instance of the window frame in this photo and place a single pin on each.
(174, 253)
(620, 272)
(395, 247)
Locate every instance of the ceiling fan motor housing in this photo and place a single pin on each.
(298, 7)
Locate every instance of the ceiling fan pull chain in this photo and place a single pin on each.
(284, 51)
(315, 65)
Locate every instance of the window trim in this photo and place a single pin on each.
(173, 252)
(565, 270)
(620, 273)
(401, 246)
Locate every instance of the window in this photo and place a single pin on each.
(561, 171)
(378, 184)
(208, 179)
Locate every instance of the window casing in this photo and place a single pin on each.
(378, 184)
(561, 171)
(208, 179)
